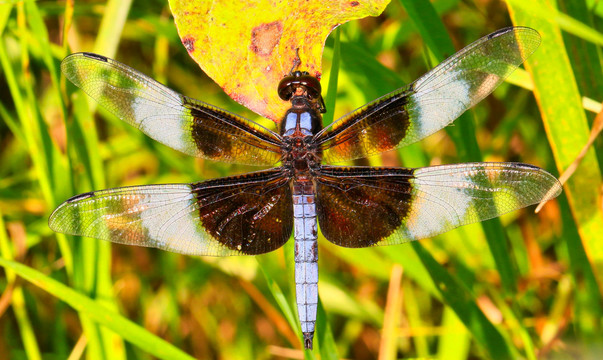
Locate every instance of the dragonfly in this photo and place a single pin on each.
(302, 187)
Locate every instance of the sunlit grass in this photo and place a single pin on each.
(523, 285)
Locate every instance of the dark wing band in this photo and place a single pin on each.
(361, 206)
(432, 102)
(248, 214)
(185, 124)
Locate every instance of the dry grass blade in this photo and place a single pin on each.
(391, 316)
(594, 132)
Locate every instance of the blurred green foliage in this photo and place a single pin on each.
(522, 286)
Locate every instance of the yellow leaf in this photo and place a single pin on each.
(247, 47)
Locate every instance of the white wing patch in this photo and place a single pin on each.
(438, 207)
(150, 114)
(437, 103)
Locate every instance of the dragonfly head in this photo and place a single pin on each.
(301, 83)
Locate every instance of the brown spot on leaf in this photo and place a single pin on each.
(240, 98)
(354, 3)
(265, 37)
(189, 44)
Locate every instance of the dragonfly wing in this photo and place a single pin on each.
(185, 124)
(247, 214)
(363, 206)
(432, 102)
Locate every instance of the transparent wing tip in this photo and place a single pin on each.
(527, 39)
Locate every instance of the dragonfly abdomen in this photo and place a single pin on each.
(306, 257)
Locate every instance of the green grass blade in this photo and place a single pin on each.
(588, 298)
(432, 30)
(331, 94)
(109, 35)
(454, 343)
(585, 60)
(31, 126)
(566, 126)
(286, 306)
(99, 313)
(95, 256)
(12, 124)
(26, 124)
(545, 12)
(39, 42)
(4, 16)
(281, 300)
(326, 342)
(26, 328)
(458, 297)
(584, 57)
(40, 34)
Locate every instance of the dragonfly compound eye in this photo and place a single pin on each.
(287, 86)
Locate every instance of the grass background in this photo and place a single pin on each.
(524, 285)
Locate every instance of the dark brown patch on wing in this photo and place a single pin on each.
(370, 130)
(251, 213)
(354, 3)
(361, 206)
(207, 137)
(219, 135)
(265, 37)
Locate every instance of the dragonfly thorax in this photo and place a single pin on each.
(298, 128)
(301, 122)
